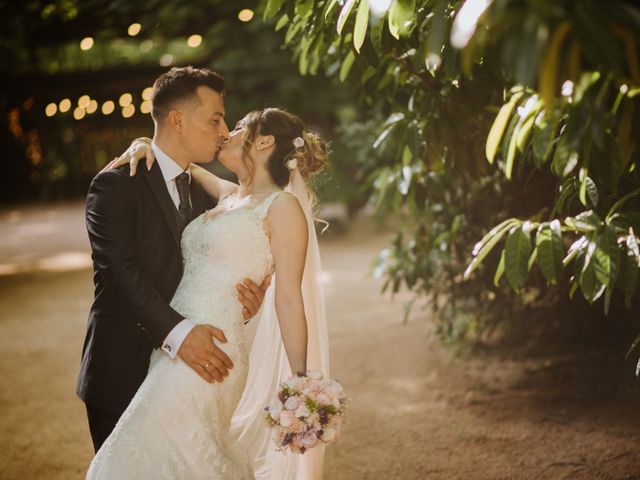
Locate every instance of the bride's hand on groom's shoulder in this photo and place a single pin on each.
(139, 149)
(199, 352)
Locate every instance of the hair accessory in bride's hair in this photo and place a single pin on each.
(298, 142)
(292, 164)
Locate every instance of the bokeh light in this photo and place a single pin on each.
(51, 110)
(134, 29)
(92, 106)
(86, 43)
(64, 105)
(125, 99)
(166, 59)
(83, 101)
(245, 15)
(79, 113)
(108, 107)
(145, 107)
(128, 111)
(146, 93)
(194, 41)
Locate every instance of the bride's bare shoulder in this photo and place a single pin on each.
(286, 211)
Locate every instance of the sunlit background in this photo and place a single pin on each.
(481, 266)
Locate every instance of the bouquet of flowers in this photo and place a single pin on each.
(306, 411)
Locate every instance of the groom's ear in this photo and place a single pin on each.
(174, 120)
(264, 141)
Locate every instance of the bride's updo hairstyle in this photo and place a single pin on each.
(309, 157)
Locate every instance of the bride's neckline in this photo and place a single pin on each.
(211, 214)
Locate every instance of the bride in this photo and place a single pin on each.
(178, 426)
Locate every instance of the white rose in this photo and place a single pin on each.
(292, 403)
(335, 387)
(302, 411)
(275, 407)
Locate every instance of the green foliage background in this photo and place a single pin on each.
(508, 125)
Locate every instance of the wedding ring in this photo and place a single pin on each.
(207, 365)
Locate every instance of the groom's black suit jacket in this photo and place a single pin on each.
(135, 243)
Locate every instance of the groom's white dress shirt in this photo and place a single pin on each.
(170, 170)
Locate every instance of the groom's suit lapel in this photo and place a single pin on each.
(156, 182)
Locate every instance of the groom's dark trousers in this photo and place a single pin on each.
(134, 230)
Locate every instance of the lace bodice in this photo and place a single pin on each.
(220, 251)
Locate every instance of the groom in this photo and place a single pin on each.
(135, 225)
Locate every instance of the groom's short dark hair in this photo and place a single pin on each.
(181, 83)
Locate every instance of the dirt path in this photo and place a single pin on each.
(417, 412)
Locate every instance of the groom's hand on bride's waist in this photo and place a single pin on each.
(201, 354)
(251, 296)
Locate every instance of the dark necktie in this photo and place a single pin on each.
(182, 184)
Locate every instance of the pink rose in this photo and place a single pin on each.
(309, 440)
(287, 418)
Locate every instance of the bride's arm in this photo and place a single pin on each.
(212, 184)
(289, 235)
(141, 149)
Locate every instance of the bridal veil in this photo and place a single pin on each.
(268, 364)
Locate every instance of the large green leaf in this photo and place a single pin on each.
(590, 286)
(272, 8)
(629, 270)
(606, 258)
(584, 222)
(550, 252)
(517, 253)
(499, 125)
(362, 21)
(344, 15)
(565, 158)
(347, 63)
(543, 137)
(588, 193)
(482, 248)
(400, 14)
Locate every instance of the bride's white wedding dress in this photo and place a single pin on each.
(177, 425)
